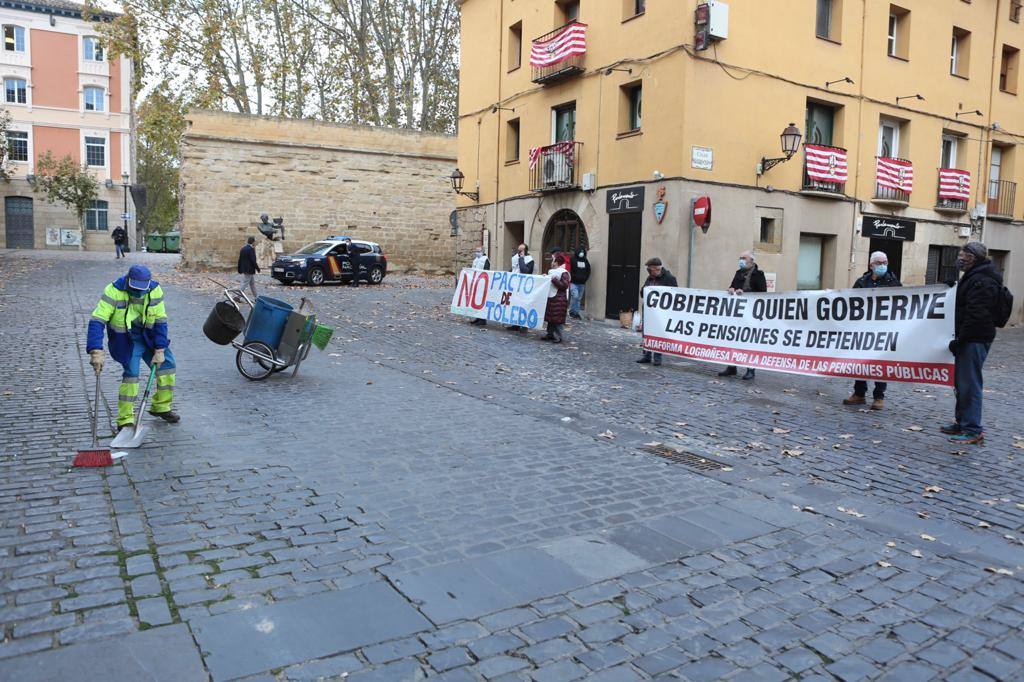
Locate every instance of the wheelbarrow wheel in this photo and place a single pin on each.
(253, 360)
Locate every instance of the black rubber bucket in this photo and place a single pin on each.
(223, 323)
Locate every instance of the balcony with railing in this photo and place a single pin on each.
(890, 171)
(954, 191)
(555, 168)
(559, 54)
(1001, 195)
(825, 171)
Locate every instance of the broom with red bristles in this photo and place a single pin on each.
(95, 456)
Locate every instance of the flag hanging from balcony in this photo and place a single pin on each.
(897, 174)
(827, 164)
(954, 184)
(569, 41)
(565, 149)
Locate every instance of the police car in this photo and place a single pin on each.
(328, 261)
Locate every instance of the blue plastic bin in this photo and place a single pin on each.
(267, 321)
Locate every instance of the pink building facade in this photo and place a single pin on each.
(66, 95)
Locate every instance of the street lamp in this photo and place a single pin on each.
(458, 180)
(790, 138)
(124, 215)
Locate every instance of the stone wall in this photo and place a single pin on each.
(383, 185)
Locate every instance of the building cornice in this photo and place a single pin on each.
(57, 9)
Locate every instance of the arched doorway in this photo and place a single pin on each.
(565, 231)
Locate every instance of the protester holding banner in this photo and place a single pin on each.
(878, 275)
(977, 296)
(522, 263)
(580, 275)
(747, 278)
(657, 276)
(480, 262)
(558, 301)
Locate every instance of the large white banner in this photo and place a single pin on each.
(885, 334)
(505, 297)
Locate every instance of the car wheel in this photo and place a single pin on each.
(376, 274)
(315, 276)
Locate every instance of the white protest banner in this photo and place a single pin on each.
(885, 334)
(505, 297)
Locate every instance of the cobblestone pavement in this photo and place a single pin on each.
(432, 499)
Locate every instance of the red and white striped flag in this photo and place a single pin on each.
(895, 174)
(566, 149)
(569, 41)
(827, 164)
(954, 184)
(535, 156)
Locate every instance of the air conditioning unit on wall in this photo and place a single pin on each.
(557, 169)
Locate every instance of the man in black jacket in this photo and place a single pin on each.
(975, 329)
(120, 238)
(878, 275)
(580, 274)
(747, 278)
(247, 265)
(657, 276)
(354, 259)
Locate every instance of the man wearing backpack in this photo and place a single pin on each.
(982, 304)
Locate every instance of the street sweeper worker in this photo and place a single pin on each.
(132, 311)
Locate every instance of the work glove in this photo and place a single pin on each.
(954, 346)
(158, 357)
(96, 359)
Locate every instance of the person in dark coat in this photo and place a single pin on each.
(975, 330)
(657, 276)
(558, 300)
(247, 265)
(748, 277)
(354, 259)
(120, 238)
(878, 275)
(580, 274)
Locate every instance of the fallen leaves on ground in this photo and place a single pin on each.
(915, 427)
(998, 571)
(851, 512)
(792, 452)
(779, 430)
(885, 564)
(933, 489)
(929, 538)
(607, 434)
(916, 553)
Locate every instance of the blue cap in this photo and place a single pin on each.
(139, 277)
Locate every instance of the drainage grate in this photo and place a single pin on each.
(688, 458)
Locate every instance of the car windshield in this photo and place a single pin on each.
(316, 247)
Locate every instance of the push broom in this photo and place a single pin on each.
(95, 456)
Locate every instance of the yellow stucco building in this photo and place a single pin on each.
(657, 102)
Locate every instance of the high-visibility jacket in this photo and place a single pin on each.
(121, 308)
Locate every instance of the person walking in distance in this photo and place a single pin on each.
(580, 274)
(480, 262)
(878, 275)
(978, 295)
(120, 238)
(657, 276)
(558, 301)
(247, 266)
(132, 311)
(522, 263)
(748, 277)
(354, 259)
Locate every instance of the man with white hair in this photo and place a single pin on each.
(878, 275)
(747, 278)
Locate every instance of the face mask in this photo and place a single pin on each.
(742, 263)
(880, 270)
(961, 264)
